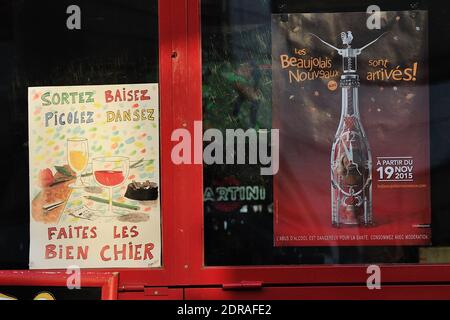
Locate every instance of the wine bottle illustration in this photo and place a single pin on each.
(351, 160)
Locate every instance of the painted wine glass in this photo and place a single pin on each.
(110, 172)
(77, 156)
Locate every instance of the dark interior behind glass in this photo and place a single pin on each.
(117, 43)
(236, 53)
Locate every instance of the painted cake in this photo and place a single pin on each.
(142, 191)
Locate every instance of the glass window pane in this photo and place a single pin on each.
(240, 92)
(117, 44)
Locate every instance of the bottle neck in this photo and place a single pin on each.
(350, 87)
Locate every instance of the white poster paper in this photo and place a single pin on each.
(94, 176)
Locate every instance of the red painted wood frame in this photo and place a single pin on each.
(107, 281)
(393, 292)
(187, 101)
(136, 279)
(182, 186)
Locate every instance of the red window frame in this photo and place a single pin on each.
(107, 281)
(187, 101)
(403, 292)
(182, 186)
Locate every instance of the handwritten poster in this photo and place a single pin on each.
(94, 176)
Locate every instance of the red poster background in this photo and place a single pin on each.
(394, 115)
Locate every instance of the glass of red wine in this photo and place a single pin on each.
(110, 172)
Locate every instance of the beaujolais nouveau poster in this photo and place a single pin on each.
(94, 176)
(352, 106)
